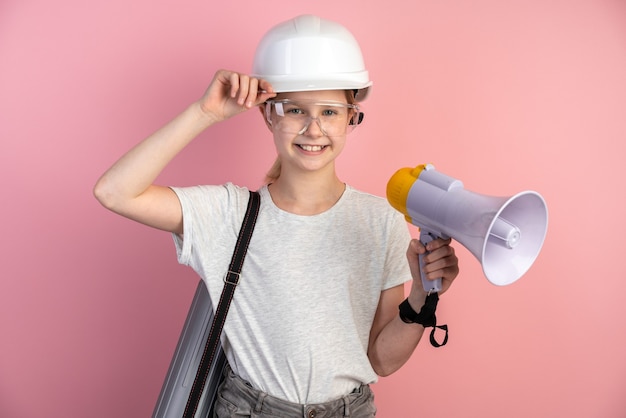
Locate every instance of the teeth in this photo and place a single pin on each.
(311, 147)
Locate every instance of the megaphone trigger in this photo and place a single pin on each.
(430, 286)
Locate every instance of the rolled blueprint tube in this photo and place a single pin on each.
(186, 360)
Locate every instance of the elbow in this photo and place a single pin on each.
(383, 371)
(104, 194)
(383, 368)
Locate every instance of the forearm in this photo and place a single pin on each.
(392, 341)
(136, 170)
(396, 342)
(394, 346)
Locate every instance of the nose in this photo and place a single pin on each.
(313, 129)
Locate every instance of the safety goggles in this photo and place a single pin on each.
(295, 117)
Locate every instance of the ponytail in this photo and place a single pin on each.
(274, 172)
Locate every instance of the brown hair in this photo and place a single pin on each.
(274, 172)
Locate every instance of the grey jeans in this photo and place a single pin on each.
(237, 398)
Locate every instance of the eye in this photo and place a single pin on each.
(330, 112)
(295, 111)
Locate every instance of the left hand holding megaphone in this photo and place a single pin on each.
(439, 262)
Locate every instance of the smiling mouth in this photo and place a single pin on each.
(312, 148)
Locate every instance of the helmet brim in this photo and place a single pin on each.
(289, 83)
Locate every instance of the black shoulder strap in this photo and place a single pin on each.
(230, 284)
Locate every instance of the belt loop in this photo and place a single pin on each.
(346, 406)
(259, 402)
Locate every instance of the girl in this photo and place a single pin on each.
(316, 315)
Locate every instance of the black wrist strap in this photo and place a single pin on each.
(426, 317)
(230, 284)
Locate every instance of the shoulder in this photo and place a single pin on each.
(375, 214)
(213, 203)
(370, 203)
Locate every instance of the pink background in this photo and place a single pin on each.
(504, 95)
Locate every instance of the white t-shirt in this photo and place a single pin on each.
(298, 327)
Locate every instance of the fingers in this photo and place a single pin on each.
(249, 91)
(416, 247)
(441, 261)
(231, 93)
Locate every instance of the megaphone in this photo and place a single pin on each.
(504, 233)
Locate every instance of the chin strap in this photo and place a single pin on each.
(426, 317)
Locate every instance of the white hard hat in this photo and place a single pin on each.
(310, 53)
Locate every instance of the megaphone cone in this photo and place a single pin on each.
(505, 234)
(503, 265)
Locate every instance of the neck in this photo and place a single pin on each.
(306, 195)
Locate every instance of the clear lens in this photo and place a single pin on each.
(296, 117)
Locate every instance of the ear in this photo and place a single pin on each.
(262, 109)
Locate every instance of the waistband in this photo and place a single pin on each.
(263, 403)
